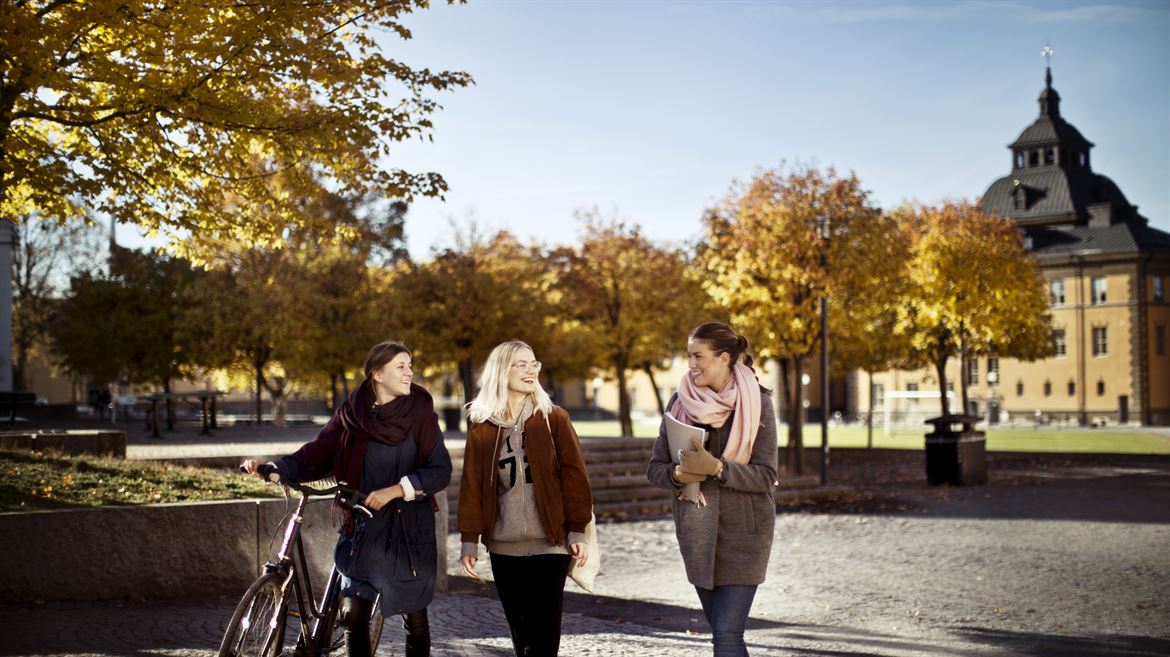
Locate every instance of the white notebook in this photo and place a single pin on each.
(679, 437)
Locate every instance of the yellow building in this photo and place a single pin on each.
(1107, 272)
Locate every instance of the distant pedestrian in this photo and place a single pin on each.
(386, 438)
(726, 537)
(525, 495)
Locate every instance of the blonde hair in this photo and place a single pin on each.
(492, 400)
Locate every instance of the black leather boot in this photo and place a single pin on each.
(418, 634)
(355, 618)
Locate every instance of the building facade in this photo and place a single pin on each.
(1107, 272)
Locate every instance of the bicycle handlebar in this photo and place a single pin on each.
(343, 493)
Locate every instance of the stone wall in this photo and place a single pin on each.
(190, 550)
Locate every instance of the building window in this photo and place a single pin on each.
(1056, 292)
(1019, 160)
(1099, 289)
(1157, 288)
(1081, 158)
(1049, 156)
(1160, 340)
(1019, 388)
(911, 387)
(1059, 348)
(992, 369)
(1029, 243)
(1072, 388)
(973, 372)
(1034, 158)
(1100, 341)
(1047, 388)
(1100, 388)
(879, 393)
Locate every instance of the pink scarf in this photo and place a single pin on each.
(702, 405)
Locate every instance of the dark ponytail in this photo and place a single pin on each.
(722, 339)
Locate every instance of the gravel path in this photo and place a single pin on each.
(1060, 556)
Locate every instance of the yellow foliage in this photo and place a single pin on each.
(156, 113)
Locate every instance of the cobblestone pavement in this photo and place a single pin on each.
(1068, 562)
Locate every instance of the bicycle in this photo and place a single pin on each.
(284, 591)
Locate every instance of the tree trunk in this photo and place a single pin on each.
(278, 391)
(940, 367)
(964, 364)
(333, 391)
(170, 405)
(344, 387)
(627, 425)
(648, 368)
(259, 390)
(796, 418)
(869, 415)
(466, 372)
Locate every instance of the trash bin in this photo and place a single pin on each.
(956, 453)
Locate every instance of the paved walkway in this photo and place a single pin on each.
(1069, 561)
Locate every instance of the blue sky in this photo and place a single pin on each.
(650, 109)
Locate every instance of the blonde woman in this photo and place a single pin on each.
(525, 495)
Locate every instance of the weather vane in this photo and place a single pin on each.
(1047, 54)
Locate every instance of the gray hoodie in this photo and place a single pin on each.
(518, 531)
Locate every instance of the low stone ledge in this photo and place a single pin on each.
(159, 551)
(97, 443)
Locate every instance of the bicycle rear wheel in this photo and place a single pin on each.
(257, 626)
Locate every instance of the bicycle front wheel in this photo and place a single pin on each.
(257, 626)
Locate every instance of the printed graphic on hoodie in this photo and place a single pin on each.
(507, 463)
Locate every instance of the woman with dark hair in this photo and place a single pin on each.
(726, 537)
(385, 439)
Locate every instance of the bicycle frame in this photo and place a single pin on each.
(291, 564)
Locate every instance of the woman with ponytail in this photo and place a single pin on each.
(384, 439)
(726, 537)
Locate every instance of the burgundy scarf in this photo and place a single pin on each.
(344, 439)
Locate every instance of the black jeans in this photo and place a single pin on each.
(532, 590)
(355, 618)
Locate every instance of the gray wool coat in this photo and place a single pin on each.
(728, 541)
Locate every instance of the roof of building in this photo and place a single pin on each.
(1065, 240)
(1063, 205)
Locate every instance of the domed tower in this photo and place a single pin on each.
(1106, 270)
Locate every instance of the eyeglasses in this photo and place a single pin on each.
(525, 366)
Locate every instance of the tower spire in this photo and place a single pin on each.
(1049, 99)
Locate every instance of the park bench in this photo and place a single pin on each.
(202, 400)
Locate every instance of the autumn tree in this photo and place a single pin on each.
(468, 298)
(867, 287)
(45, 254)
(126, 323)
(765, 263)
(174, 116)
(632, 294)
(974, 290)
(242, 315)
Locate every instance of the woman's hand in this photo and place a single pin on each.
(698, 460)
(468, 564)
(682, 477)
(250, 467)
(383, 496)
(580, 553)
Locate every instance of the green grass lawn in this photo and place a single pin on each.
(1100, 441)
(38, 480)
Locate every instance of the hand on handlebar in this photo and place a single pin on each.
(383, 496)
(265, 471)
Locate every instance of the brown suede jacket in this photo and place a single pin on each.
(559, 478)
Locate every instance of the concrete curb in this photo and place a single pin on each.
(158, 551)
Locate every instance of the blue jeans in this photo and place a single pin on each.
(726, 609)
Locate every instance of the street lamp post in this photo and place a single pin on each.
(823, 233)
